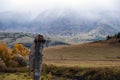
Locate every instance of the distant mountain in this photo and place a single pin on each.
(67, 25)
(103, 30)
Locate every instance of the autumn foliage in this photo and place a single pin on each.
(5, 53)
(8, 56)
(20, 49)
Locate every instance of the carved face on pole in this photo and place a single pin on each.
(39, 38)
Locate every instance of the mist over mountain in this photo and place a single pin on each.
(70, 25)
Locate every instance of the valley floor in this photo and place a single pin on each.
(96, 54)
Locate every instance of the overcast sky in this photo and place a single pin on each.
(37, 6)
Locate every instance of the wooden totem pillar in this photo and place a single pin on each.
(37, 57)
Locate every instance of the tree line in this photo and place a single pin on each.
(116, 36)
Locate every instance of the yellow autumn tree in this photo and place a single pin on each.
(5, 53)
(20, 49)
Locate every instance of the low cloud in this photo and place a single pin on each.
(34, 7)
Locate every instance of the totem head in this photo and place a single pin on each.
(40, 39)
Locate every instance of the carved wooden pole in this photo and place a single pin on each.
(35, 59)
(39, 42)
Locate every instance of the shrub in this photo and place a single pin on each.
(20, 49)
(83, 73)
(2, 65)
(20, 60)
(13, 64)
(5, 53)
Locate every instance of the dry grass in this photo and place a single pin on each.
(83, 64)
(14, 76)
(97, 54)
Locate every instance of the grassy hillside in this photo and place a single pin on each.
(100, 53)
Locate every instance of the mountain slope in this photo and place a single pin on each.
(103, 30)
(69, 25)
